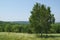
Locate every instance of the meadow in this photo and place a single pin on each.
(26, 36)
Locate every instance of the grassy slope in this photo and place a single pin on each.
(23, 36)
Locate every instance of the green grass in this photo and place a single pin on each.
(25, 36)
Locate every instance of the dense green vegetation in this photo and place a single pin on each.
(24, 28)
(13, 27)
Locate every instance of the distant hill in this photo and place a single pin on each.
(57, 23)
(18, 22)
(21, 22)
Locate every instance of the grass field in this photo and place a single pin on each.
(25, 36)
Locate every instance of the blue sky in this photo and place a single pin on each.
(19, 10)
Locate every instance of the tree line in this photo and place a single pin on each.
(25, 28)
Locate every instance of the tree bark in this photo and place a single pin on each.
(41, 35)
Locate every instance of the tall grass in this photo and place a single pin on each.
(24, 36)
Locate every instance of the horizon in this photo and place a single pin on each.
(19, 10)
(22, 21)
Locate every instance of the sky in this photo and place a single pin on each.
(19, 10)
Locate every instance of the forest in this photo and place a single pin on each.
(24, 28)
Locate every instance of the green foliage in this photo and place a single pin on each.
(8, 28)
(25, 28)
(55, 28)
(41, 18)
(14, 27)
